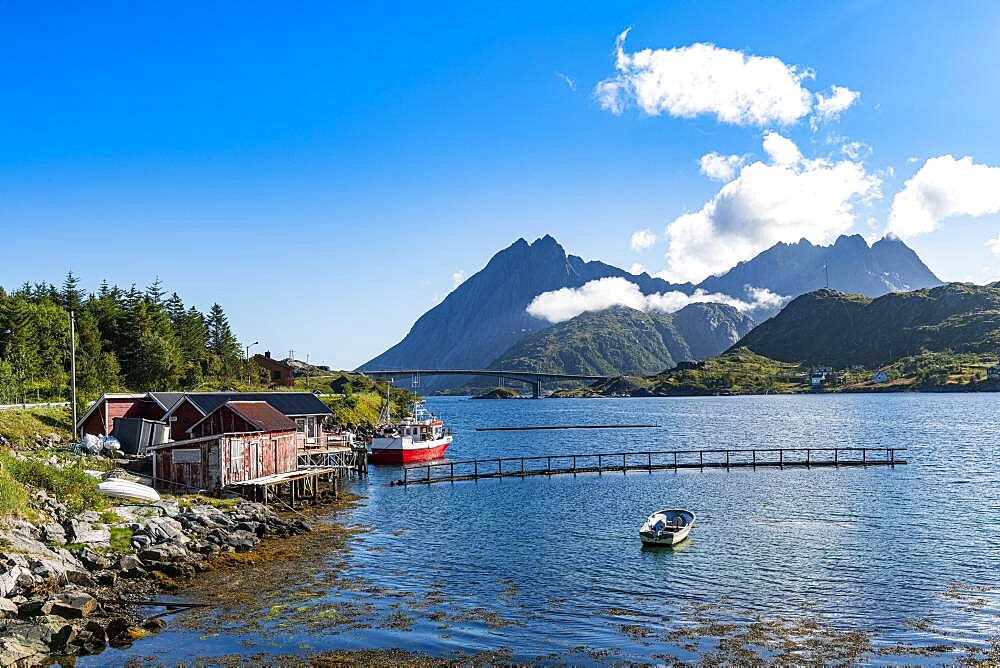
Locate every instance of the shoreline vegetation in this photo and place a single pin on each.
(744, 372)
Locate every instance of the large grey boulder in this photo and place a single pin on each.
(162, 529)
(88, 533)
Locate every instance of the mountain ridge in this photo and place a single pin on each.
(623, 340)
(839, 329)
(486, 315)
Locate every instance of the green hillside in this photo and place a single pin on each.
(842, 330)
(622, 340)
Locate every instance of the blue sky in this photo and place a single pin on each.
(323, 169)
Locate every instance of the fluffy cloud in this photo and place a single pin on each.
(840, 100)
(994, 245)
(642, 239)
(636, 269)
(783, 200)
(943, 188)
(565, 303)
(457, 278)
(704, 79)
(720, 167)
(781, 150)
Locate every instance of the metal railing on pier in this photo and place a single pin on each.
(651, 460)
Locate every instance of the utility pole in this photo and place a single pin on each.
(249, 370)
(72, 366)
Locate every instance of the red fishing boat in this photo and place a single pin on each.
(416, 438)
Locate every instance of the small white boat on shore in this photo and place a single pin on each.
(126, 489)
(667, 527)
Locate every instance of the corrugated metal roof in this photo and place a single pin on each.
(286, 403)
(260, 414)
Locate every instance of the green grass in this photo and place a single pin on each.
(740, 371)
(20, 426)
(187, 501)
(121, 540)
(13, 495)
(70, 485)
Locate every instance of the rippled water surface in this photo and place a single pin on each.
(548, 565)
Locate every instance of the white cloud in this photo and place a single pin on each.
(840, 100)
(781, 150)
(994, 245)
(636, 269)
(767, 203)
(943, 188)
(858, 150)
(704, 79)
(720, 167)
(642, 239)
(565, 303)
(567, 80)
(457, 278)
(913, 159)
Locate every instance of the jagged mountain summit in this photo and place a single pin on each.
(851, 264)
(484, 317)
(487, 314)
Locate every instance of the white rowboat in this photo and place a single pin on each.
(126, 489)
(667, 527)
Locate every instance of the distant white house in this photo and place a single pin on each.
(880, 376)
(818, 376)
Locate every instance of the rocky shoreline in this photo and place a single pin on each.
(70, 585)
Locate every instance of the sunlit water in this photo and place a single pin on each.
(559, 562)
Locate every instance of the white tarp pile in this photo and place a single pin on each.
(97, 445)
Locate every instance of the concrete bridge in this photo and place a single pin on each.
(532, 378)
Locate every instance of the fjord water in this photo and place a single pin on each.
(558, 559)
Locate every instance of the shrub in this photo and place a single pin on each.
(71, 485)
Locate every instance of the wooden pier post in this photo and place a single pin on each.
(807, 458)
(754, 455)
(781, 459)
(624, 468)
(836, 457)
(675, 462)
(864, 456)
(649, 462)
(598, 464)
(727, 460)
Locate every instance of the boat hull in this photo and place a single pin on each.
(418, 452)
(126, 489)
(666, 538)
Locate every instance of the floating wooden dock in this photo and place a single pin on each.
(570, 426)
(649, 461)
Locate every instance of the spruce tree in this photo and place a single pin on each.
(71, 295)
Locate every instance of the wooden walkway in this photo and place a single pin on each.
(662, 460)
